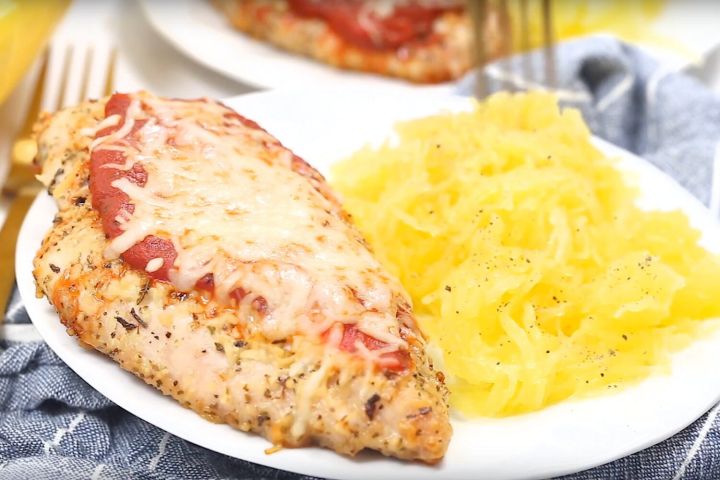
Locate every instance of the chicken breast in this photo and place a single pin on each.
(333, 33)
(200, 254)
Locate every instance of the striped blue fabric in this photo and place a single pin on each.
(55, 426)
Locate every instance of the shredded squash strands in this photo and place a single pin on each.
(531, 269)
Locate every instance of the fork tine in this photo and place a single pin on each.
(73, 76)
(504, 22)
(87, 65)
(512, 19)
(33, 109)
(524, 27)
(525, 40)
(478, 11)
(549, 45)
(110, 83)
(23, 149)
(99, 71)
(54, 79)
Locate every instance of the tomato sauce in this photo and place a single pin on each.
(110, 201)
(407, 21)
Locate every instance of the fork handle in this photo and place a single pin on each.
(8, 239)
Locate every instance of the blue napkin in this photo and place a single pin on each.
(54, 426)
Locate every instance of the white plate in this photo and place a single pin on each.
(201, 32)
(324, 127)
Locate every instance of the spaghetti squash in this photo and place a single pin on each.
(534, 274)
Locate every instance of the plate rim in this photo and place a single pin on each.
(178, 46)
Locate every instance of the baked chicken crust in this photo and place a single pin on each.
(187, 345)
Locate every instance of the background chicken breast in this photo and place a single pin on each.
(446, 57)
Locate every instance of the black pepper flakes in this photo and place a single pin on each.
(240, 343)
(143, 292)
(137, 318)
(219, 347)
(54, 268)
(422, 411)
(448, 288)
(371, 405)
(56, 177)
(125, 324)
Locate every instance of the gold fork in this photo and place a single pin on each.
(68, 74)
(502, 27)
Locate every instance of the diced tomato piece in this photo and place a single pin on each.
(395, 361)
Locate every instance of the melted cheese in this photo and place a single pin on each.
(385, 8)
(373, 10)
(382, 326)
(133, 112)
(154, 264)
(227, 198)
(110, 121)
